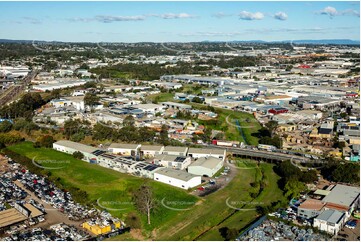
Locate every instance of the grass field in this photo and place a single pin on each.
(247, 121)
(114, 189)
(202, 216)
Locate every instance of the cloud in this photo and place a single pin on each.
(251, 16)
(332, 12)
(280, 16)
(32, 20)
(174, 15)
(110, 19)
(221, 15)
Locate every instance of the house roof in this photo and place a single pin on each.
(342, 195)
(312, 204)
(331, 216)
(177, 174)
(207, 162)
(123, 146)
(76, 146)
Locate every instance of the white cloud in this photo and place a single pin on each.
(174, 15)
(110, 19)
(251, 16)
(332, 12)
(280, 16)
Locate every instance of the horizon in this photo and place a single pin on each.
(181, 22)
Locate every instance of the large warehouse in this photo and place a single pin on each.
(205, 166)
(177, 178)
(90, 153)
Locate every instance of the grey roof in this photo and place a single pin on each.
(151, 147)
(331, 216)
(175, 149)
(180, 175)
(169, 157)
(342, 195)
(206, 151)
(207, 162)
(123, 146)
(76, 146)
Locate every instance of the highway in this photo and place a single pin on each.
(276, 156)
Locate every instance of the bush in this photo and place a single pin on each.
(78, 155)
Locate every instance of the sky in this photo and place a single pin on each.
(189, 21)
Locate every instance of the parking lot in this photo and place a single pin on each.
(348, 234)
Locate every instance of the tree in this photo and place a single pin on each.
(163, 135)
(78, 155)
(144, 200)
(271, 126)
(197, 100)
(129, 121)
(45, 141)
(71, 127)
(5, 126)
(91, 99)
(293, 188)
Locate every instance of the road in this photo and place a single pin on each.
(13, 92)
(262, 154)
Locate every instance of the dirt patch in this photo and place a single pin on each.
(137, 234)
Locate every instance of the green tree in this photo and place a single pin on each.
(91, 99)
(129, 121)
(293, 188)
(78, 155)
(5, 126)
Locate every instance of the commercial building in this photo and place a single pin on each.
(124, 149)
(149, 151)
(175, 150)
(310, 208)
(205, 166)
(178, 106)
(177, 178)
(90, 153)
(172, 161)
(330, 221)
(199, 152)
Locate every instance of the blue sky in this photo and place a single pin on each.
(179, 21)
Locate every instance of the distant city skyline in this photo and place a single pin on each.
(179, 21)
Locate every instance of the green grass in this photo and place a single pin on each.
(161, 97)
(245, 163)
(113, 188)
(241, 219)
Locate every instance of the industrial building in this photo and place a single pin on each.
(148, 151)
(177, 178)
(173, 161)
(101, 227)
(124, 149)
(175, 150)
(199, 152)
(205, 166)
(330, 221)
(90, 153)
